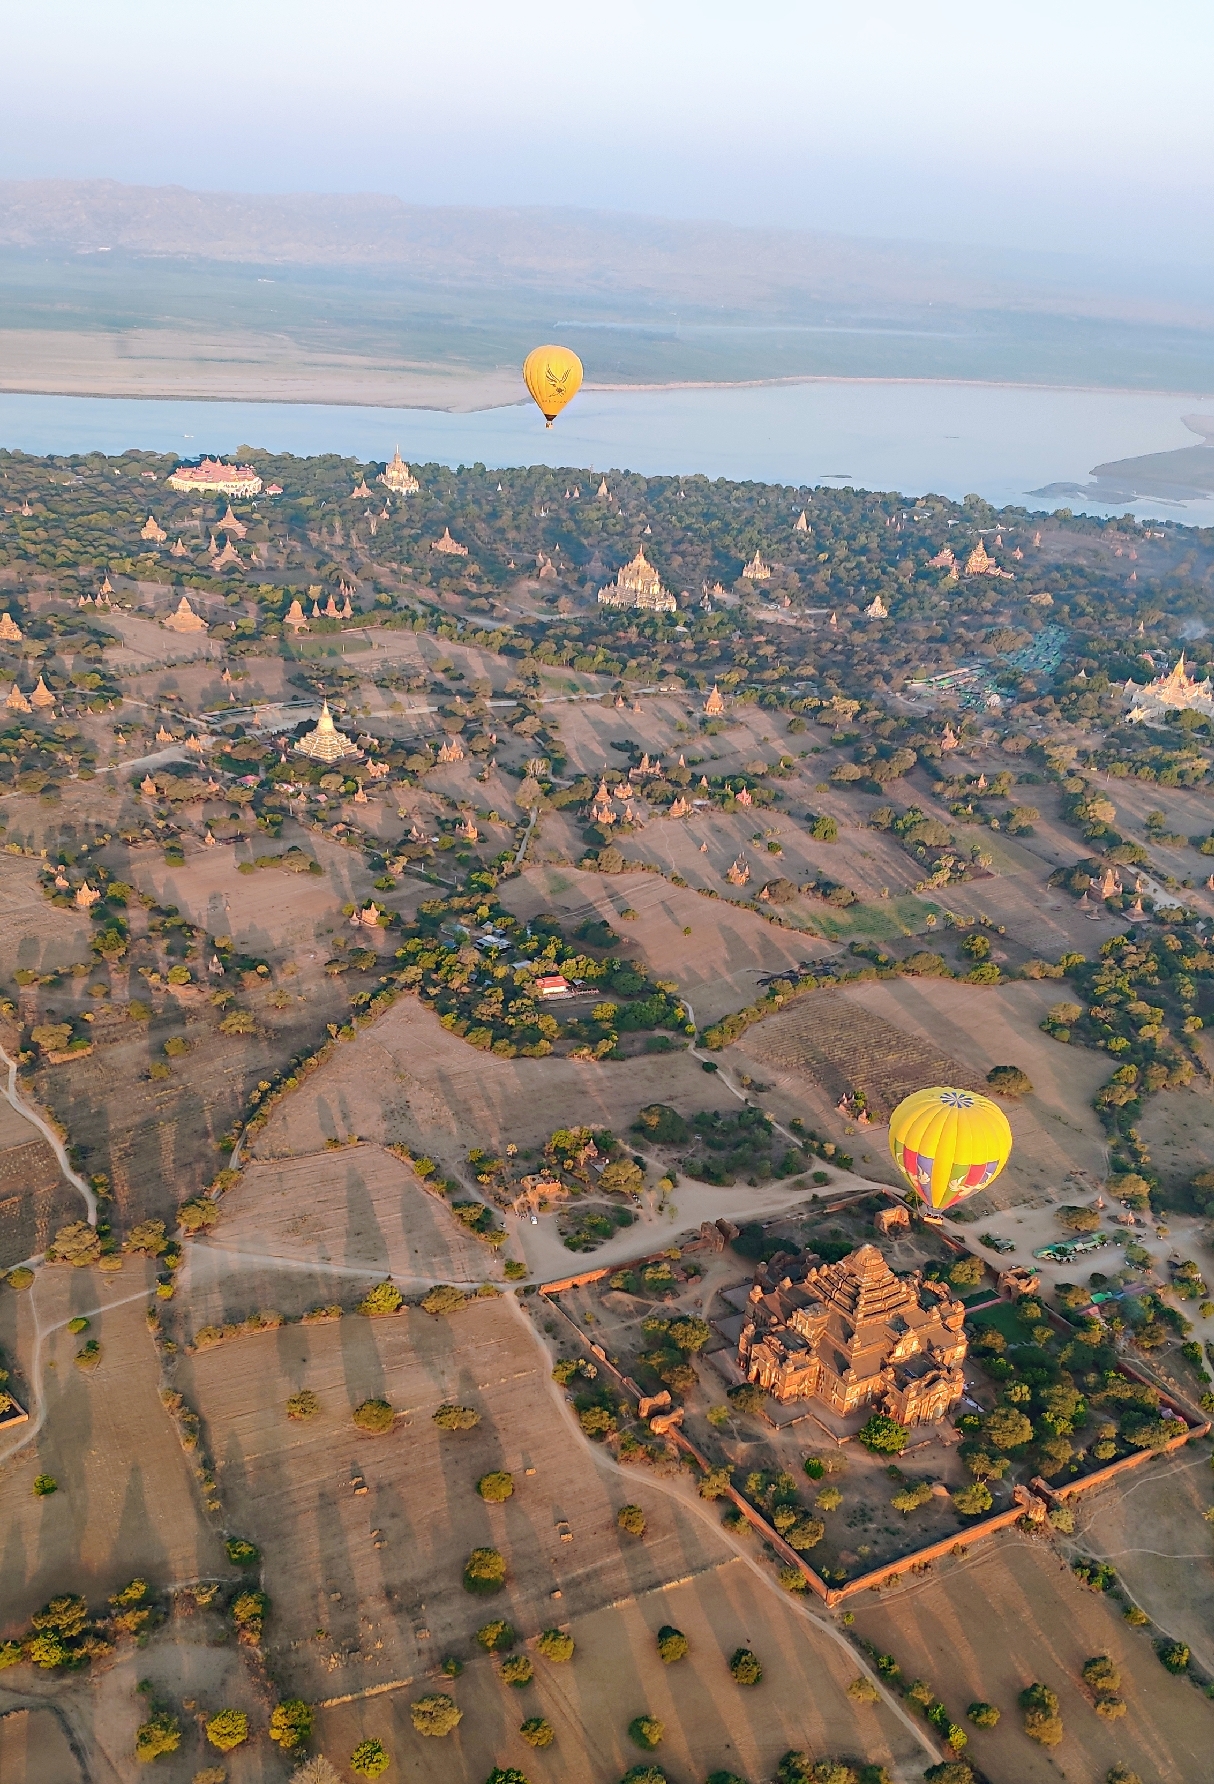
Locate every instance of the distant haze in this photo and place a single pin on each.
(1079, 128)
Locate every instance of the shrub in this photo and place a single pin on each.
(983, 1715)
(375, 1416)
(20, 1276)
(435, 1715)
(495, 1487)
(444, 1299)
(161, 1733)
(538, 1732)
(646, 1732)
(518, 1671)
(370, 1759)
(1174, 1655)
(805, 1534)
(632, 1519)
(814, 1467)
(746, 1667)
(1009, 1081)
(555, 1644)
(497, 1637)
(644, 1774)
(1121, 1774)
(883, 1436)
(672, 1644)
(249, 1612)
(291, 1723)
(829, 1499)
(45, 1485)
(1007, 1428)
(303, 1405)
(242, 1553)
(316, 1770)
(484, 1571)
(862, 1690)
(951, 1771)
(1042, 1722)
(198, 1215)
(715, 1484)
(456, 1418)
(385, 1297)
(228, 1729)
(1101, 1674)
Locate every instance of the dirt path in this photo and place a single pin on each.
(49, 1135)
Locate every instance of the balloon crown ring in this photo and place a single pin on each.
(957, 1099)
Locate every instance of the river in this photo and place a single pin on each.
(1000, 441)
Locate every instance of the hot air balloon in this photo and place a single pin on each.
(553, 375)
(948, 1143)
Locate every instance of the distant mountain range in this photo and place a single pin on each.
(706, 266)
(109, 289)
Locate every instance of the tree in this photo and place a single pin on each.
(672, 1644)
(436, 1715)
(518, 1671)
(556, 1644)
(910, 1497)
(370, 1759)
(495, 1487)
(951, 1771)
(456, 1418)
(746, 1667)
(644, 1774)
(303, 1405)
(715, 1484)
(646, 1731)
(497, 1637)
(883, 1436)
(967, 1272)
(805, 1534)
(1077, 1220)
(198, 1215)
(1042, 1721)
(538, 1732)
(239, 1022)
(746, 1397)
(1007, 1428)
(862, 1690)
(241, 1552)
(983, 1715)
(291, 1723)
(632, 1519)
(622, 1178)
(161, 1733)
(1174, 1655)
(228, 1729)
(77, 1243)
(505, 1775)
(317, 1770)
(973, 1500)
(690, 1334)
(484, 1571)
(1009, 1081)
(375, 1416)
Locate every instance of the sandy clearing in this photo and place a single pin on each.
(986, 1626)
(126, 1503)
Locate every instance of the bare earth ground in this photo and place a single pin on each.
(1153, 1530)
(358, 1210)
(34, 1747)
(390, 1612)
(1012, 1613)
(126, 1503)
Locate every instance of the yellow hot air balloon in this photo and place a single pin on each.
(553, 375)
(948, 1143)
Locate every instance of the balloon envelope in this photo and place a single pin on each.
(949, 1144)
(553, 376)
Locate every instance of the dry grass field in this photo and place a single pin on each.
(35, 1746)
(1012, 1613)
(305, 1231)
(126, 1503)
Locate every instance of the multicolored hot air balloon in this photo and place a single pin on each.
(948, 1143)
(553, 375)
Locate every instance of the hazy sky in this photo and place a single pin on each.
(1057, 124)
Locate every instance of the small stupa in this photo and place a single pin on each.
(398, 477)
(42, 696)
(326, 743)
(184, 619)
(802, 525)
(16, 701)
(151, 531)
(714, 706)
(10, 631)
(230, 524)
(295, 617)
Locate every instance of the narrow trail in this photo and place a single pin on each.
(48, 1133)
(38, 1399)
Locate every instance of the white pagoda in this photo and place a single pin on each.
(326, 743)
(1176, 692)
